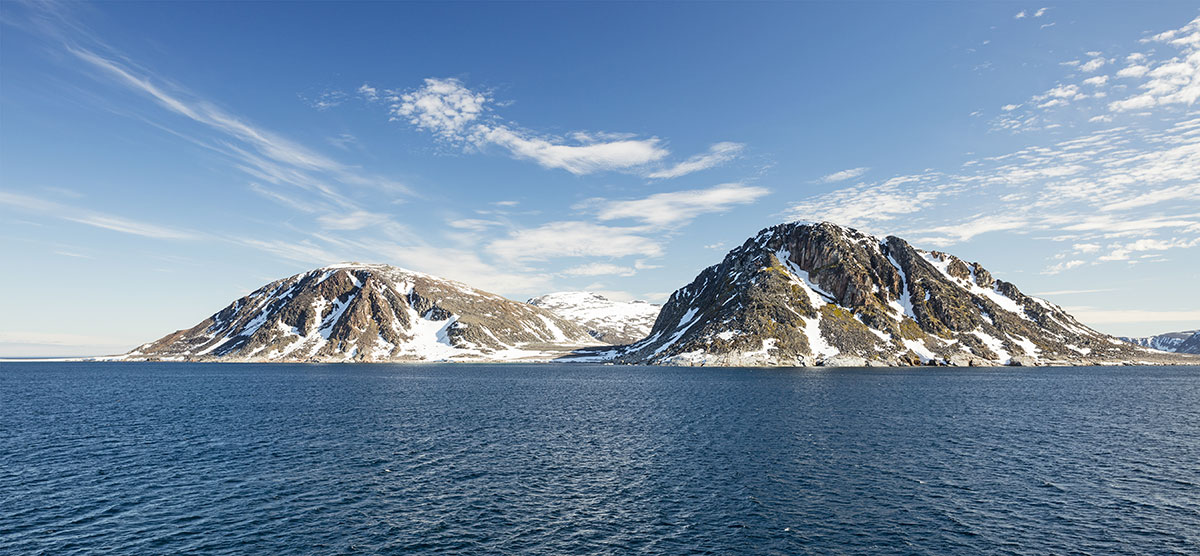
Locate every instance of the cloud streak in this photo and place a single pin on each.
(717, 154)
(94, 218)
(843, 175)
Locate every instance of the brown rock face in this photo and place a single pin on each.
(356, 312)
(804, 294)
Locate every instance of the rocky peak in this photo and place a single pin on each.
(369, 312)
(820, 293)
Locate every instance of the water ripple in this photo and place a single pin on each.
(482, 459)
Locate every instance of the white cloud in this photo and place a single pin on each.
(600, 269)
(442, 106)
(327, 100)
(1185, 192)
(717, 154)
(1134, 71)
(678, 207)
(1093, 64)
(1020, 15)
(368, 92)
(1174, 81)
(844, 175)
(965, 230)
(874, 202)
(1067, 92)
(460, 115)
(1171, 81)
(577, 159)
(1122, 251)
(1040, 12)
(1062, 266)
(573, 239)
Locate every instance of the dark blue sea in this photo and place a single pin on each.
(147, 458)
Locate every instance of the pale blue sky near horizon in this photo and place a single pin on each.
(159, 160)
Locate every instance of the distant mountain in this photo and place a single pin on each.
(1175, 342)
(805, 294)
(361, 312)
(613, 322)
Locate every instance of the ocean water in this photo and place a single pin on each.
(146, 458)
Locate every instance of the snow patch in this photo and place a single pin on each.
(972, 286)
(995, 344)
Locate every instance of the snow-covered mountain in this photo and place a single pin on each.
(1187, 341)
(369, 312)
(804, 294)
(613, 322)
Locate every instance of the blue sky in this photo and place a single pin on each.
(159, 160)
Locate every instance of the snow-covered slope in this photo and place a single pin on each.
(613, 322)
(1187, 341)
(805, 294)
(368, 312)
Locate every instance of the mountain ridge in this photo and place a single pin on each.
(609, 321)
(1186, 341)
(796, 294)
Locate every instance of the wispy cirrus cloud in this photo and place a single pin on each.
(717, 154)
(843, 175)
(654, 218)
(94, 218)
(600, 269)
(355, 220)
(574, 239)
(676, 208)
(271, 159)
(578, 159)
(1121, 316)
(457, 114)
(265, 142)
